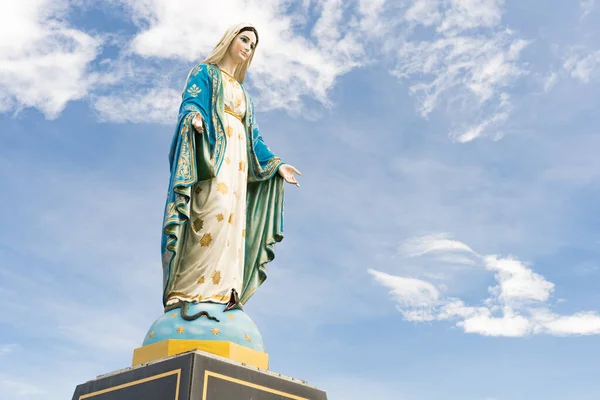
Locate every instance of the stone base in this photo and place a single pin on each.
(196, 375)
(170, 347)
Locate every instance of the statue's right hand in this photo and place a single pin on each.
(197, 123)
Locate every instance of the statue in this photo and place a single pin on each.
(223, 216)
(224, 208)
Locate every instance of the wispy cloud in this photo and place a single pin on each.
(288, 65)
(298, 57)
(468, 63)
(436, 242)
(550, 81)
(518, 304)
(583, 64)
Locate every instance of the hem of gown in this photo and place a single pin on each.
(175, 297)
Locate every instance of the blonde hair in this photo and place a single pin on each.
(221, 49)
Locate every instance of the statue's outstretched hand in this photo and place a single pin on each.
(287, 172)
(197, 123)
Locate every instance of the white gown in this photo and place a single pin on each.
(212, 260)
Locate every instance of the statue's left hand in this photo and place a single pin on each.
(287, 172)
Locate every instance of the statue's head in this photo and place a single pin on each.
(243, 44)
(239, 43)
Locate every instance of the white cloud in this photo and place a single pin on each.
(287, 65)
(509, 324)
(467, 64)
(370, 12)
(44, 61)
(517, 305)
(303, 51)
(550, 81)
(420, 245)
(155, 105)
(469, 14)
(516, 282)
(582, 323)
(583, 65)
(414, 296)
(482, 128)
(424, 12)
(297, 58)
(490, 126)
(579, 63)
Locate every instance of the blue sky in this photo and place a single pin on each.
(444, 243)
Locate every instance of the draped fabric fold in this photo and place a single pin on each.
(264, 227)
(196, 157)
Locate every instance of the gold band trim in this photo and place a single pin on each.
(228, 111)
(148, 379)
(227, 73)
(198, 298)
(279, 393)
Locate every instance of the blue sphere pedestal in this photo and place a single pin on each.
(230, 334)
(234, 326)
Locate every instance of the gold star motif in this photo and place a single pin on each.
(220, 217)
(206, 240)
(240, 137)
(216, 277)
(235, 194)
(229, 131)
(228, 160)
(222, 188)
(247, 337)
(242, 166)
(215, 331)
(201, 280)
(197, 225)
(243, 233)
(151, 335)
(180, 330)
(231, 316)
(230, 218)
(174, 315)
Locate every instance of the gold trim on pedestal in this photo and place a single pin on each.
(208, 374)
(139, 381)
(171, 347)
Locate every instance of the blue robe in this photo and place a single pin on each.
(198, 156)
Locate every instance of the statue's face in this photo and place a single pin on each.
(242, 46)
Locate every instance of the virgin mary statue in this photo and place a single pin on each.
(224, 208)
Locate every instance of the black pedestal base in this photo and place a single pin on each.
(196, 376)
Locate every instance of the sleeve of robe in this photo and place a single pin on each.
(264, 212)
(190, 160)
